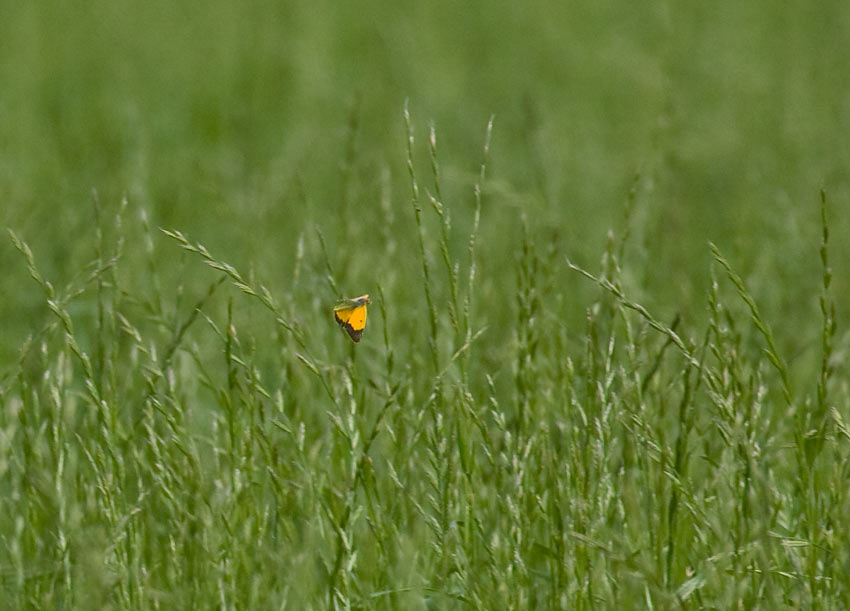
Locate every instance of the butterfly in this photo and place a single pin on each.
(351, 315)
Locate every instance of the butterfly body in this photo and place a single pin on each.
(350, 314)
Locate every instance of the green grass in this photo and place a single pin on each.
(537, 417)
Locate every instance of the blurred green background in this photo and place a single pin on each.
(248, 124)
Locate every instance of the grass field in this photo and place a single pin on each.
(606, 359)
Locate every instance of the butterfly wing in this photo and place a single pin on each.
(353, 320)
(358, 318)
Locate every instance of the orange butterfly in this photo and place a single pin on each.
(351, 315)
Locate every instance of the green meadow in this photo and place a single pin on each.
(605, 365)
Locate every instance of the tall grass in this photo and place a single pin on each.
(217, 442)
